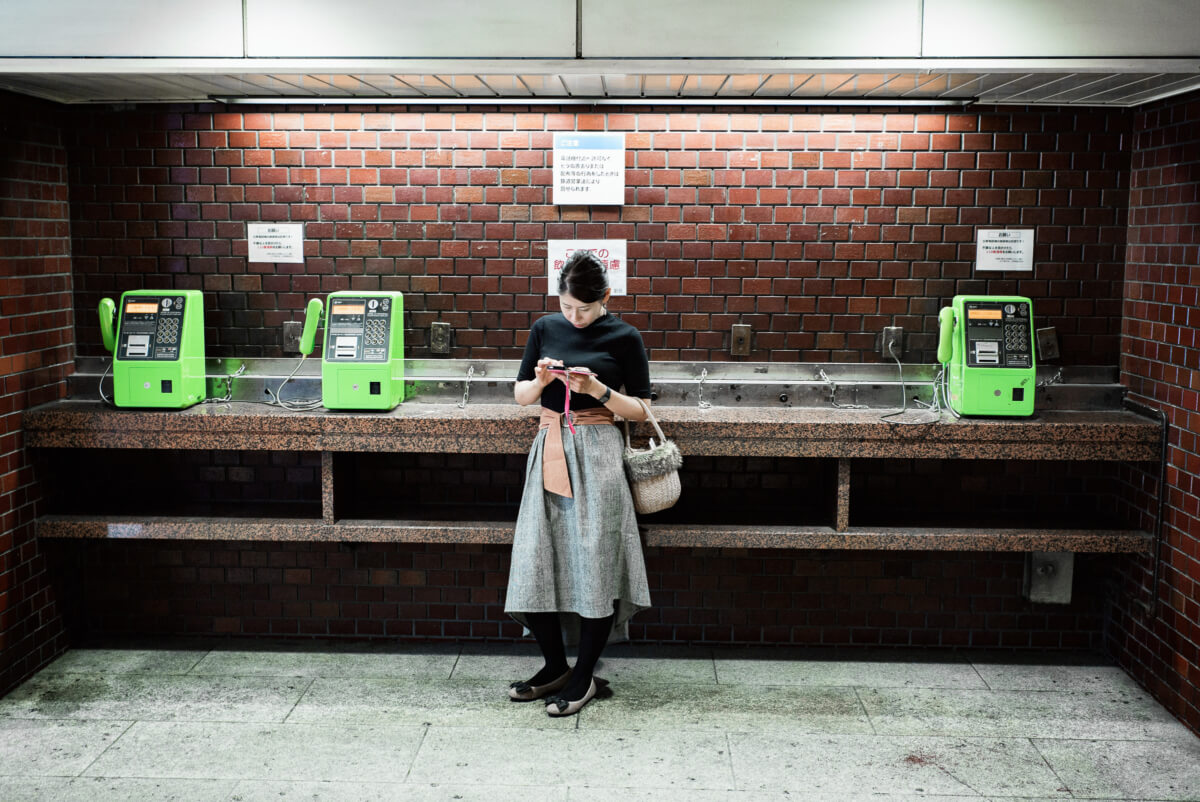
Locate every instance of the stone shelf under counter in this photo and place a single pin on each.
(653, 535)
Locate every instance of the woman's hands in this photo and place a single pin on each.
(541, 372)
(586, 383)
(579, 380)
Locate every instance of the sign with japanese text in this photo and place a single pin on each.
(1004, 249)
(589, 168)
(275, 242)
(610, 252)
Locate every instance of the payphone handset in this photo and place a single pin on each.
(156, 338)
(362, 361)
(985, 343)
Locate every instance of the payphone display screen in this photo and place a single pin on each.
(151, 328)
(359, 329)
(998, 334)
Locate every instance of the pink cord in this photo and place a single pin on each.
(567, 401)
(567, 410)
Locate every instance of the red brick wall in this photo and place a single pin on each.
(36, 354)
(1160, 363)
(818, 229)
(715, 596)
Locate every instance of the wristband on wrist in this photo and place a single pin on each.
(607, 395)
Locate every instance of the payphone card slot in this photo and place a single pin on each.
(345, 346)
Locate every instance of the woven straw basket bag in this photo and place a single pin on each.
(654, 471)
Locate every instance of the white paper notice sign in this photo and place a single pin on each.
(1004, 249)
(589, 168)
(610, 252)
(275, 242)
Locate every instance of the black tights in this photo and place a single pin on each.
(593, 635)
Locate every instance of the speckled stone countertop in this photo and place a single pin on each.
(1110, 435)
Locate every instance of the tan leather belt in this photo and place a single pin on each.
(554, 459)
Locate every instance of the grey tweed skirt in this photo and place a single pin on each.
(579, 556)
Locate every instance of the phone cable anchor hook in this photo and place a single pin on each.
(467, 387)
(1055, 379)
(701, 403)
(833, 389)
(228, 379)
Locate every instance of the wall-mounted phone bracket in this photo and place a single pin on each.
(1047, 343)
(439, 338)
(740, 340)
(290, 337)
(891, 342)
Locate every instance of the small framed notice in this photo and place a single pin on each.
(589, 168)
(275, 242)
(1004, 249)
(610, 252)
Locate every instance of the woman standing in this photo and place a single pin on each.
(577, 558)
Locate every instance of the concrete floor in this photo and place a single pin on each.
(278, 721)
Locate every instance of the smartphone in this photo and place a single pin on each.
(575, 371)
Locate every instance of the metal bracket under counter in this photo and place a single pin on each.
(685, 384)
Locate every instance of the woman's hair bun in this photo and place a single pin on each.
(583, 277)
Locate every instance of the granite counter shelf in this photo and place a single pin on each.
(508, 429)
(836, 442)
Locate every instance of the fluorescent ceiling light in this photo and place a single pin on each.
(584, 101)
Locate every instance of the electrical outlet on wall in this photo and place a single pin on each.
(739, 344)
(290, 338)
(891, 342)
(1047, 343)
(439, 338)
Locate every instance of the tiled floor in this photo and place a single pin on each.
(285, 721)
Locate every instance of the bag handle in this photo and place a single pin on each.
(662, 438)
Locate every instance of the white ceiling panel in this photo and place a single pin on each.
(750, 29)
(1060, 28)
(410, 29)
(120, 29)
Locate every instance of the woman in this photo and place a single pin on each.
(577, 559)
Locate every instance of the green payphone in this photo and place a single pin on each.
(362, 363)
(985, 343)
(157, 347)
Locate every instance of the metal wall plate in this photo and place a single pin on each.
(1048, 577)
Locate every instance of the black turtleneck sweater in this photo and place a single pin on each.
(609, 347)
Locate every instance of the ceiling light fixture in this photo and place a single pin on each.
(584, 101)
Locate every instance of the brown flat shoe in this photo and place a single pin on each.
(524, 692)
